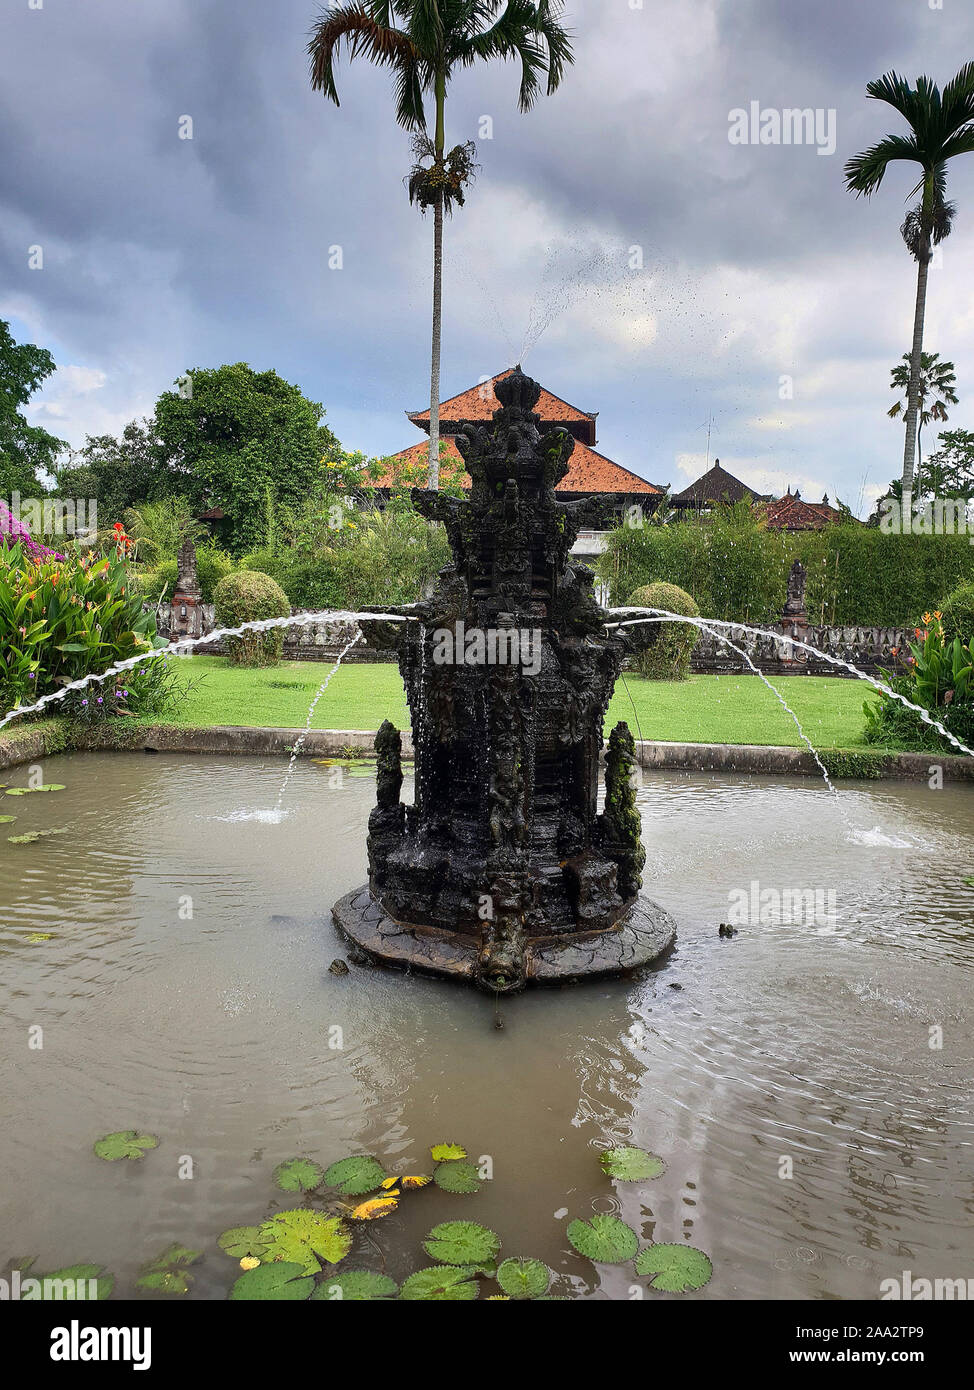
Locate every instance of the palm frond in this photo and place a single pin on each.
(865, 172)
(356, 27)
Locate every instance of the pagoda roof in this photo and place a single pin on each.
(588, 471)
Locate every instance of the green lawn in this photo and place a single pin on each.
(704, 709)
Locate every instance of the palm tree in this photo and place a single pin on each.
(424, 42)
(941, 126)
(937, 381)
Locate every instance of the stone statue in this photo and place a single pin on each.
(502, 871)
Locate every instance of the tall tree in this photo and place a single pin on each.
(937, 381)
(424, 42)
(941, 126)
(26, 451)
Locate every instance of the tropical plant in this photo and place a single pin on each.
(941, 127)
(26, 451)
(424, 42)
(939, 679)
(957, 614)
(62, 618)
(937, 381)
(247, 596)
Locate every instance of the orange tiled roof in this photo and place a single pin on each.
(588, 471)
(793, 513)
(479, 403)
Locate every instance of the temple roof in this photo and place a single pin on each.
(716, 485)
(793, 513)
(588, 471)
(479, 403)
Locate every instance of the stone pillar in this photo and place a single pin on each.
(794, 621)
(187, 601)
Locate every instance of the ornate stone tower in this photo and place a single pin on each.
(503, 870)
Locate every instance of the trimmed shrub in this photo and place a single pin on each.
(668, 659)
(247, 596)
(957, 613)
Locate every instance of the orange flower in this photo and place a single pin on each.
(926, 617)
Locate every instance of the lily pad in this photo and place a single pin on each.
(169, 1271)
(355, 1176)
(7, 820)
(18, 791)
(127, 1143)
(49, 787)
(457, 1177)
(299, 1175)
(355, 1286)
(605, 1239)
(446, 1153)
(32, 836)
(305, 1238)
(282, 1282)
(462, 1243)
(442, 1284)
(410, 1184)
(55, 1290)
(676, 1268)
(631, 1165)
(524, 1278)
(243, 1243)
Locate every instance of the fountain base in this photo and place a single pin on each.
(642, 936)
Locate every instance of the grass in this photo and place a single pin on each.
(704, 709)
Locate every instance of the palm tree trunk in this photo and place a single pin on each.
(916, 358)
(433, 481)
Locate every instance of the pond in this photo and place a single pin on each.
(175, 954)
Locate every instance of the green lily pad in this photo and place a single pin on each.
(446, 1153)
(462, 1243)
(243, 1243)
(127, 1143)
(442, 1284)
(298, 1175)
(76, 1274)
(306, 1238)
(524, 1278)
(7, 820)
(32, 836)
(605, 1239)
(49, 787)
(18, 791)
(355, 1286)
(168, 1272)
(676, 1268)
(631, 1165)
(457, 1177)
(283, 1282)
(354, 1177)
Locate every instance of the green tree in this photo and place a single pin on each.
(950, 471)
(119, 473)
(424, 42)
(26, 451)
(246, 441)
(941, 127)
(937, 381)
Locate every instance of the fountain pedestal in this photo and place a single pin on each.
(504, 871)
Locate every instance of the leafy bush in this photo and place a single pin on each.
(940, 680)
(668, 659)
(249, 596)
(958, 613)
(737, 569)
(64, 618)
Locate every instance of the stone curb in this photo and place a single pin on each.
(332, 743)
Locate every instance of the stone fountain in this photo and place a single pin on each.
(503, 872)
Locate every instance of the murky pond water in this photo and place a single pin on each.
(808, 1042)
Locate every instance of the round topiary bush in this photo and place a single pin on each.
(248, 596)
(958, 614)
(668, 659)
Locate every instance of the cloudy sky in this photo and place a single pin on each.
(163, 254)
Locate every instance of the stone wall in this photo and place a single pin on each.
(869, 648)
